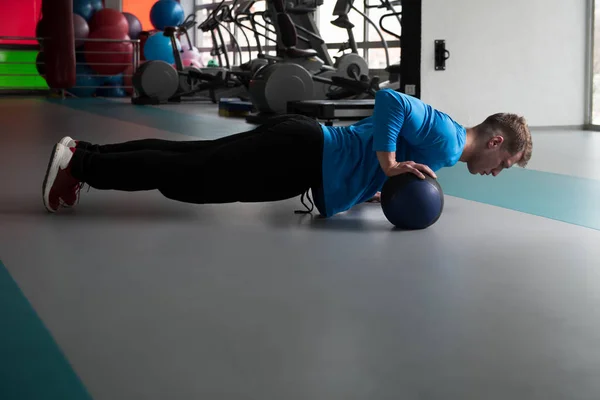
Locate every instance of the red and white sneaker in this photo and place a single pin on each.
(69, 200)
(59, 185)
(68, 142)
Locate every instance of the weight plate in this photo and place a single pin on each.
(156, 79)
(349, 63)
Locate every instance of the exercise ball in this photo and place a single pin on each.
(191, 57)
(166, 13)
(135, 26)
(109, 18)
(110, 91)
(410, 202)
(115, 80)
(81, 30)
(113, 87)
(158, 47)
(118, 54)
(83, 8)
(97, 5)
(41, 32)
(40, 64)
(87, 82)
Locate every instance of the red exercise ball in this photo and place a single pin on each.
(119, 53)
(109, 18)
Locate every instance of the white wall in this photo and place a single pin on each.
(522, 56)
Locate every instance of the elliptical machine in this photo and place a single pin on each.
(350, 64)
(393, 70)
(158, 82)
(241, 12)
(299, 75)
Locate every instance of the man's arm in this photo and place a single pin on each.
(388, 115)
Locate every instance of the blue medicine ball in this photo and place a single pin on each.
(166, 13)
(410, 202)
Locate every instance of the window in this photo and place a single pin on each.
(370, 42)
(595, 115)
(239, 39)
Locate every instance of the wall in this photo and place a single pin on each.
(523, 56)
(139, 8)
(19, 18)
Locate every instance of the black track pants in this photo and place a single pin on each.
(278, 160)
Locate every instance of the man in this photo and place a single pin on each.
(291, 155)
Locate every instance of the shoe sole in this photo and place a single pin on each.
(65, 141)
(51, 173)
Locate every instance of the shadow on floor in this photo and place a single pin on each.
(365, 217)
(107, 210)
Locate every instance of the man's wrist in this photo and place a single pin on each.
(387, 159)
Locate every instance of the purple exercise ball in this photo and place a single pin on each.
(81, 29)
(135, 26)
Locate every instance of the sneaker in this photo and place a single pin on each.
(68, 142)
(59, 184)
(72, 198)
(78, 144)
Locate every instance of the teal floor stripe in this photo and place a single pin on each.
(565, 198)
(32, 367)
(561, 197)
(166, 119)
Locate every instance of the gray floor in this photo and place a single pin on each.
(151, 299)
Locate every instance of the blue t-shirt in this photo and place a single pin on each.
(401, 123)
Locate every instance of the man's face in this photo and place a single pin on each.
(492, 158)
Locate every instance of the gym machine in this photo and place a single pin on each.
(329, 110)
(351, 62)
(299, 75)
(392, 69)
(158, 82)
(301, 12)
(241, 12)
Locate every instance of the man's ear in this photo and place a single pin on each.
(495, 142)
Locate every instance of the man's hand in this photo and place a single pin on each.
(391, 167)
(409, 166)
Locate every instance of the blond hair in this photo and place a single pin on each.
(513, 128)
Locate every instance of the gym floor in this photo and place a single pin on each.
(133, 296)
